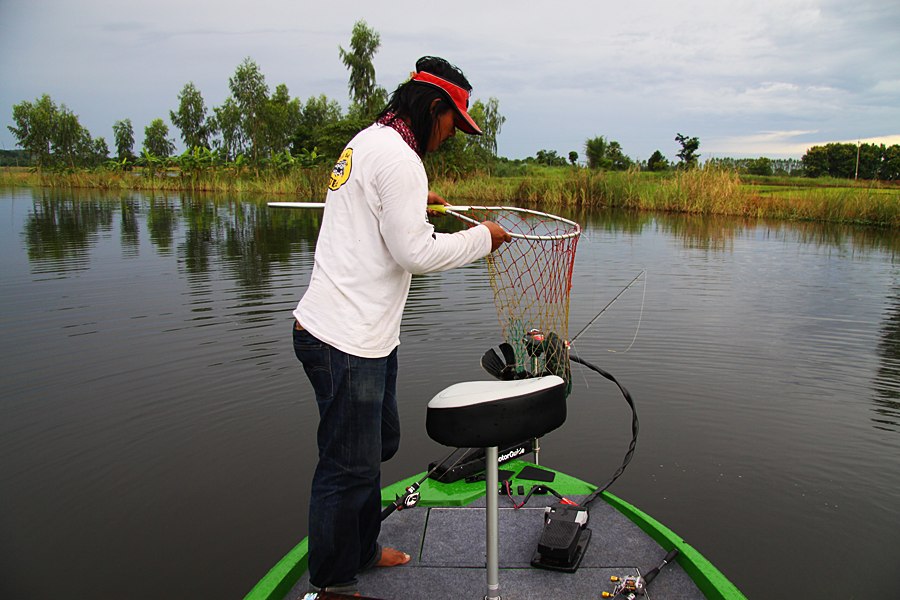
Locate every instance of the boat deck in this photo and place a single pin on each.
(447, 545)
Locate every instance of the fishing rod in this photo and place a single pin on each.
(506, 368)
(635, 423)
(608, 304)
(411, 494)
(630, 587)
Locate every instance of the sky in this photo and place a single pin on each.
(762, 78)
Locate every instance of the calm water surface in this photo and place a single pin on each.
(157, 434)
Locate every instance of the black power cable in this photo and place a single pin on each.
(635, 426)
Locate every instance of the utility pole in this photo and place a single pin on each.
(856, 177)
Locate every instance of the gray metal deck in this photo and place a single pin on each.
(448, 555)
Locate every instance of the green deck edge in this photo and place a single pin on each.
(714, 585)
(282, 577)
(708, 578)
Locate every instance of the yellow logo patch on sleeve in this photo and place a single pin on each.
(341, 172)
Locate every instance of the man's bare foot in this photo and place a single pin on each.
(391, 558)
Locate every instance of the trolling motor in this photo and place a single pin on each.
(537, 344)
(631, 587)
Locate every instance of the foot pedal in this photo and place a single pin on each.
(564, 539)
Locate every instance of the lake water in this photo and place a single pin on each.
(157, 433)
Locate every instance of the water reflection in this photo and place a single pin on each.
(717, 233)
(244, 243)
(129, 208)
(887, 381)
(61, 231)
(65, 226)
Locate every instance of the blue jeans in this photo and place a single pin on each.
(359, 428)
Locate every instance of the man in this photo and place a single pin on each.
(374, 237)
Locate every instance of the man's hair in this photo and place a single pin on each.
(413, 99)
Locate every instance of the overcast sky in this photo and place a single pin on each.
(749, 78)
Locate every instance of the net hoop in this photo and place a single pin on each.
(572, 230)
(531, 279)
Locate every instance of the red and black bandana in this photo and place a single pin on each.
(399, 125)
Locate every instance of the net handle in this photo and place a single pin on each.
(296, 204)
(456, 211)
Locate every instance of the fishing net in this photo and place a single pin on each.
(531, 278)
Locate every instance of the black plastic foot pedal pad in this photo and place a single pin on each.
(564, 539)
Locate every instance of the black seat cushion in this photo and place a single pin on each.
(482, 414)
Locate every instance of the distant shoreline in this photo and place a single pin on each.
(707, 190)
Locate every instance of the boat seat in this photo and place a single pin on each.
(482, 414)
(489, 414)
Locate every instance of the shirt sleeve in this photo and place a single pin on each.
(403, 192)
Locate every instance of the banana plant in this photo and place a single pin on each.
(153, 163)
(282, 162)
(309, 158)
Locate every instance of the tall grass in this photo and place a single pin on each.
(303, 183)
(708, 190)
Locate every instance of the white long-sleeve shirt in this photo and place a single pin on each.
(374, 237)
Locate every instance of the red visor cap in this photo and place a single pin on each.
(459, 98)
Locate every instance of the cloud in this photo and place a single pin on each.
(635, 72)
(779, 144)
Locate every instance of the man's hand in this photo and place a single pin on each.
(435, 199)
(498, 234)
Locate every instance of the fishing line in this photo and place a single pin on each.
(640, 318)
(610, 303)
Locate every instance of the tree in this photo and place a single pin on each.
(759, 166)
(688, 153)
(867, 161)
(657, 162)
(54, 135)
(366, 96)
(890, 165)
(70, 141)
(251, 95)
(123, 136)
(815, 162)
(319, 111)
(281, 119)
(331, 137)
(227, 122)
(99, 152)
(487, 116)
(550, 158)
(156, 139)
(573, 157)
(603, 154)
(595, 150)
(33, 128)
(191, 118)
(617, 159)
(317, 115)
(841, 160)
(871, 157)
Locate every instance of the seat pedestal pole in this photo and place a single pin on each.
(492, 521)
